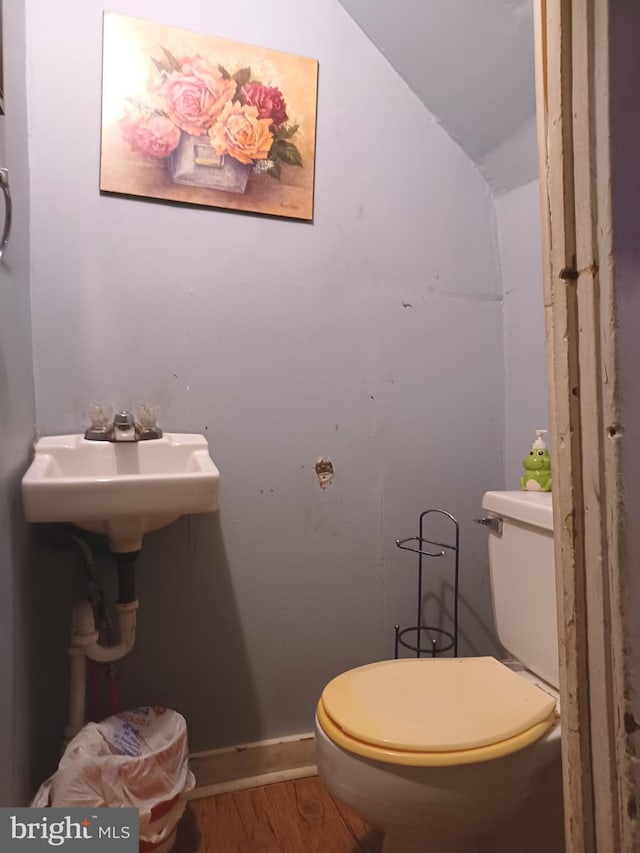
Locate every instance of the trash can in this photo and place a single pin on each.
(138, 759)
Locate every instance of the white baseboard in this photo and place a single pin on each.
(235, 768)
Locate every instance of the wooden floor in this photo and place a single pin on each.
(287, 817)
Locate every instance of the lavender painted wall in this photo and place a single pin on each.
(365, 337)
(518, 218)
(17, 421)
(472, 66)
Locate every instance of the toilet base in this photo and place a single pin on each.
(433, 809)
(401, 842)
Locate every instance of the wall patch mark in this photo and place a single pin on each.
(324, 472)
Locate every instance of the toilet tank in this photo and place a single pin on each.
(523, 583)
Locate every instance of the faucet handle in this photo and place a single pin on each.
(147, 415)
(101, 421)
(101, 415)
(147, 420)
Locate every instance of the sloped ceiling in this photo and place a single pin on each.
(471, 62)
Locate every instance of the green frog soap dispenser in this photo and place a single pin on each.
(537, 467)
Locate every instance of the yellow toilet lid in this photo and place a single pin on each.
(435, 710)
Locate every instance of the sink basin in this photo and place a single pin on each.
(121, 489)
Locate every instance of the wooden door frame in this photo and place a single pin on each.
(572, 92)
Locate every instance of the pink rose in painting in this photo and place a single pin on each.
(195, 96)
(153, 135)
(269, 102)
(129, 123)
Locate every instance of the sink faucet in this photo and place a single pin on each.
(123, 427)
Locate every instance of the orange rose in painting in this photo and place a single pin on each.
(241, 134)
(196, 94)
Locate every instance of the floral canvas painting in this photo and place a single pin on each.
(204, 120)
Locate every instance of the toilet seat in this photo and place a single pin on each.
(434, 711)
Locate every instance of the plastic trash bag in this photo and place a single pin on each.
(138, 758)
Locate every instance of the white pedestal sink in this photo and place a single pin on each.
(122, 489)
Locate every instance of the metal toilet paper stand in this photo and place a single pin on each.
(440, 640)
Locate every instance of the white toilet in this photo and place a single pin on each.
(435, 751)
